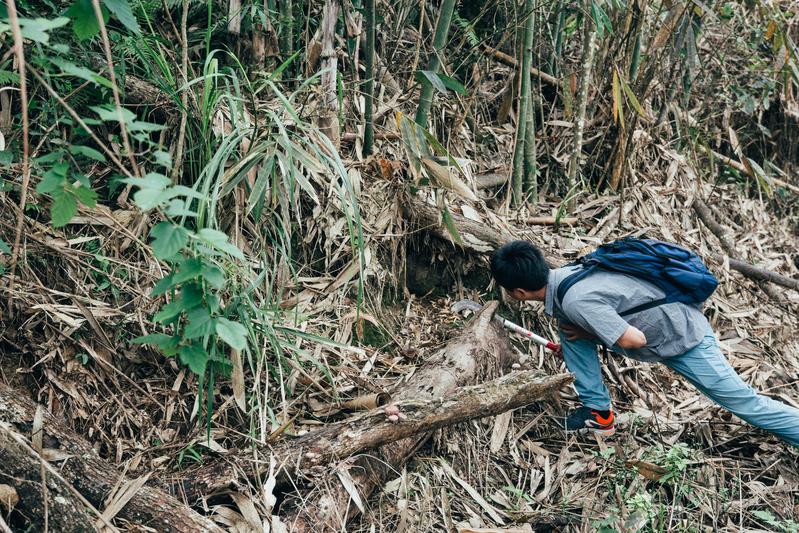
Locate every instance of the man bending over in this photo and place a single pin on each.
(675, 334)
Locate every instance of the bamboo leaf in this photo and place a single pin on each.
(618, 111)
(633, 100)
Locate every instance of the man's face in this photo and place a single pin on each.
(524, 295)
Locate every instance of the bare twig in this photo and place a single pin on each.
(114, 88)
(184, 97)
(26, 169)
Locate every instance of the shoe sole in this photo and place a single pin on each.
(601, 432)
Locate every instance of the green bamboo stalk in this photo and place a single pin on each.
(286, 41)
(554, 66)
(586, 63)
(369, 52)
(530, 156)
(439, 44)
(521, 152)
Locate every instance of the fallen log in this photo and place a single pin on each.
(482, 348)
(511, 61)
(551, 221)
(706, 216)
(43, 498)
(94, 477)
(487, 181)
(372, 429)
(757, 273)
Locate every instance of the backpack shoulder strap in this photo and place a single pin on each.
(567, 282)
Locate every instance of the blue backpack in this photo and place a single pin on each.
(680, 273)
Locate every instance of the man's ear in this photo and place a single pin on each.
(518, 294)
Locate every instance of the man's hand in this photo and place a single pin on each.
(574, 333)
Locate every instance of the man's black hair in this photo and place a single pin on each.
(519, 265)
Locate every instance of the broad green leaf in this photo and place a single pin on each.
(213, 275)
(188, 269)
(195, 357)
(154, 339)
(164, 284)
(162, 158)
(452, 84)
(168, 344)
(763, 179)
(53, 178)
(151, 180)
(109, 113)
(84, 21)
(63, 208)
(233, 333)
(192, 295)
(87, 196)
(199, 324)
(80, 72)
(168, 239)
(147, 199)
(49, 158)
(433, 78)
(4, 247)
(169, 311)
(177, 208)
(38, 29)
(87, 151)
(218, 240)
(122, 11)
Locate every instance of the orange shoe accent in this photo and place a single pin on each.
(603, 421)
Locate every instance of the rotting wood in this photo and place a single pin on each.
(38, 496)
(314, 451)
(94, 477)
(482, 349)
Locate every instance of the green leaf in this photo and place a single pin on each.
(163, 158)
(80, 72)
(213, 275)
(38, 29)
(188, 269)
(164, 284)
(109, 113)
(217, 239)
(168, 239)
(122, 11)
(232, 333)
(449, 222)
(87, 151)
(154, 339)
(195, 357)
(200, 323)
(633, 100)
(87, 196)
(177, 208)
(49, 158)
(53, 179)
(433, 78)
(84, 21)
(192, 295)
(4, 247)
(63, 208)
(169, 311)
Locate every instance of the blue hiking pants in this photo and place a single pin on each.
(706, 368)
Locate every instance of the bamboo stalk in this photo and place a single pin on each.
(520, 178)
(286, 29)
(439, 44)
(530, 156)
(369, 52)
(586, 62)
